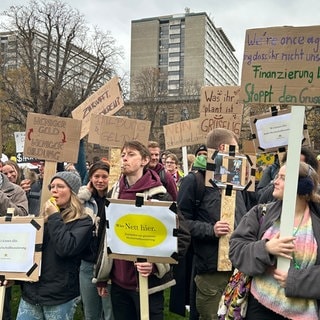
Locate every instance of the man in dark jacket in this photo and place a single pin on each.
(206, 228)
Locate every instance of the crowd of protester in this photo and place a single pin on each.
(76, 225)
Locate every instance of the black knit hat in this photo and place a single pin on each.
(203, 147)
(70, 178)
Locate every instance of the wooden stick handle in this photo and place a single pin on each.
(144, 297)
(2, 295)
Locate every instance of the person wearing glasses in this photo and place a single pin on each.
(172, 166)
(67, 229)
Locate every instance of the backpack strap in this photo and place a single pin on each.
(163, 178)
(199, 186)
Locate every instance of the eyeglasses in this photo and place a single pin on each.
(57, 186)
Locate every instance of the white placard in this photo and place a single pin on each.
(141, 231)
(19, 139)
(273, 131)
(17, 245)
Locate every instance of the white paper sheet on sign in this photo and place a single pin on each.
(17, 243)
(141, 231)
(274, 131)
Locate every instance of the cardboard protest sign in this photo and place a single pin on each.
(52, 138)
(281, 66)
(270, 131)
(20, 247)
(147, 230)
(184, 133)
(220, 108)
(230, 170)
(106, 101)
(114, 131)
(220, 100)
(115, 166)
(211, 121)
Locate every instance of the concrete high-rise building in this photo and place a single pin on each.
(80, 65)
(187, 49)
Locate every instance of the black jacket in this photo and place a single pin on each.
(61, 256)
(201, 219)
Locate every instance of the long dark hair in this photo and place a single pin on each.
(98, 165)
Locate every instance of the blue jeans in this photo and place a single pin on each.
(65, 311)
(94, 306)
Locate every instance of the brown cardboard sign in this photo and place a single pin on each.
(281, 66)
(230, 170)
(220, 108)
(107, 101)
(220, 100)
(114, 131)
(21, 247)
(184, 133)
(211, 121)
(270, 131)
(52, 138)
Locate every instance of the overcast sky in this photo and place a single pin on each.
(233, 16)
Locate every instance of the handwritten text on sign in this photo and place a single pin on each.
(114, 131)
(281, 65)
(184, 133)
(228, 121)
(106, 101)
(220, 100)
(220, 108)
(52, 138)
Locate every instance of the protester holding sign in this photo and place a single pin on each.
(93, 196)
(256, 244)
(202, 210)
(137, 178)
(66, 233)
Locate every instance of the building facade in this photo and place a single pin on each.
(81, 64)
(187, 49)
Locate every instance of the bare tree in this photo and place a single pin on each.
(59, 60)
(149, 94)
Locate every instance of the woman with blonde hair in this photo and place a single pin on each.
(67, 231)
(12, 171)
(256, 243)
